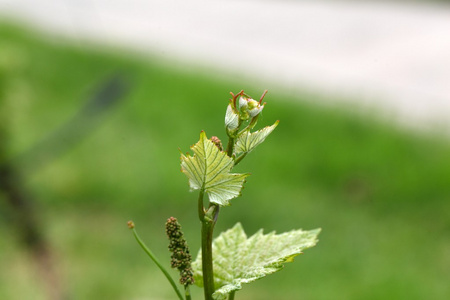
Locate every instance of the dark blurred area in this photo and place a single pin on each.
(90, 138)
(21, 206)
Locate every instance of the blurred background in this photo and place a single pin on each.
(97, 97)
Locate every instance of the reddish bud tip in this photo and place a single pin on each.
(130, 224)
(217, 142)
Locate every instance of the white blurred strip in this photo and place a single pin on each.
(389, 57)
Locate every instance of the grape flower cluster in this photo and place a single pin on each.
(181, 258)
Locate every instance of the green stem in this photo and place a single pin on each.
(241, 157)
(230, 146)
(208, 220)
(187, 292)
(207, 257)
(231, 295)
(244, 130)
(201, 209)
(232, 139)
(156, 261)
(250, 125)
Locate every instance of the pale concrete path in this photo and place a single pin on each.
(393, 58)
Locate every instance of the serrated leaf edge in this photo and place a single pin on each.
(269, 268)
(190, 169)
(242, 143)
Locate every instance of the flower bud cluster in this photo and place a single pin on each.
(181, 258)
(217, 142)
(242, 108)
(249, 108)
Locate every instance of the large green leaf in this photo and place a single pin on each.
(238, 259)
(248, 141)
(209, 170)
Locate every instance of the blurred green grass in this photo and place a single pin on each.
(380, 194)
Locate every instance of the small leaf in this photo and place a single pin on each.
(238, 259)
(209, 170)
(231, 119)
(248, 141)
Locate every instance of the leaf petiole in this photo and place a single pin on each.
(187, 292)
(241, 157)
(231, 295)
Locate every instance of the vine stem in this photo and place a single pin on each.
(156, 261)
(230, 146)
(187, 292)
(209, 219)
(207, 257)
(201, 209)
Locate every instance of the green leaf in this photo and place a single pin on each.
(238, 259)
(247, 141)
(209, 170)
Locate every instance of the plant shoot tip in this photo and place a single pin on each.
(130, 224)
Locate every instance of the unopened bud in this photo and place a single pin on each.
(249, 108)
(217, 142)
(130, 224)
